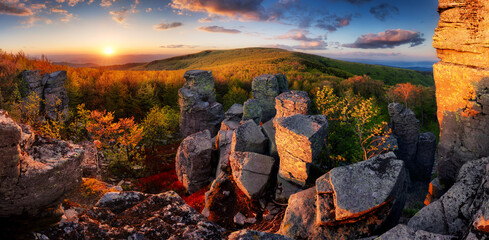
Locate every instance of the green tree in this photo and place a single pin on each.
(235, 95)
(159, 124)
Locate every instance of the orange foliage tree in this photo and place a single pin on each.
(405, 92)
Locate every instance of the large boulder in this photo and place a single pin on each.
(264, 89)
(142, 216)
(404, 232)
(299, 140)
(269, 131)
(454, 212)
(234, 113)
(349, 202)
(252, 109)
(198, 107)
(36, 173)
(193, 161)
(251, 172)
(291, 103)
(405, 127)
(283, 84)
(249, 138)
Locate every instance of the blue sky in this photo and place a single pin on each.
(395, 30)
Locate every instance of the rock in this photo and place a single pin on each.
(247, 234)
(51, 93)
(55, 96)
(249, 138)
(285, 189)
(90, 163)
(251, 172)
(269, 131)
(451, 213)
(198, 107)
(376, 190)
(402, 231)
(299, 140)
(425, 157)
(224, 139)
(291, 103)
(35, 175)
(118, 202)
(405, 127)
(264, 89)
(234, 113)
(239, 219)
(252, 110)
(283, 84)
(460, 78)
(362, 187)
(159, 216)
(299, 219)
(193, 161)
(481, 222)
(229, 125)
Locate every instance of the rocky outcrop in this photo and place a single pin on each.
(193, 161)
(425, 155)
(404, 232)
(249, 138)
(455, 212)
(234, 113)
(291, 103)
(132, 215)
(224, 139)
(349, 202)
(461, 84)
(251, 172)
(50, 89)
(36, 172)
(299, 140)
(269, 131)
(90, 164)
(252, 110)
(264, 89)
(283, 84)
(198, 107)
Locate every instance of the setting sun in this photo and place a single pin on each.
(108, 51)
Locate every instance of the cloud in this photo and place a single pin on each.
(38, 6)
(305, 42)
(106, 3)
(217, 29)
(388, 39)
(179, 46)
(14, 8)
(149, 10)
(166, 26)
(384, 10)
(247, 10)
(58, 10)
(119, 16)
(72, 3)
(333, 22)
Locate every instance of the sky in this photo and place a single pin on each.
(136, 30)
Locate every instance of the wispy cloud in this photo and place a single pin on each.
(357, 2)
(333, 22)
(166, 26)
(248, 10)
(119, 16)
(305, 42)
(179, 46)
(388, 39)
(149, 10)
(14, 8)
(383, 11)
(217, 29)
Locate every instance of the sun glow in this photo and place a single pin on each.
(108, 51)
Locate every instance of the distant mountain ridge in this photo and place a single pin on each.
(219, 58)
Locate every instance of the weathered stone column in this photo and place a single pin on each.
(462, 40)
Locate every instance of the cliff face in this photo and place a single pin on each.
(462, 43)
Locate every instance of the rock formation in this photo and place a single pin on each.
(349, 202)
(291, 103)
(249, 138)
(49, 88)
(252, 109)
(133, 215)
(251, 172)
(299, 139)
(224, 139)
(193, 161)
(247, 234)
(414, 148)
(198, 107)
(36, 172)
(265, 88)
(461, 84)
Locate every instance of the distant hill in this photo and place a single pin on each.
(212, 59)
(77, 65)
